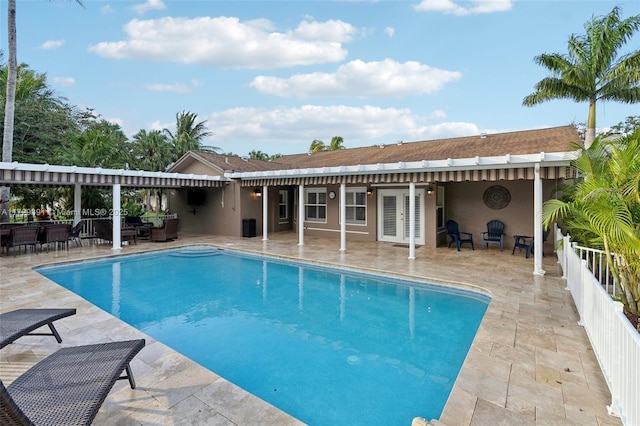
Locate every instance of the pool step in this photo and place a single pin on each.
(197, 252)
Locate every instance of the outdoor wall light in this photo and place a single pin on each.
(429, 190)
(257, 192)
(369, 191)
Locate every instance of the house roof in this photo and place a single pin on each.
(500, 156)
(226, 163)
(556, 139)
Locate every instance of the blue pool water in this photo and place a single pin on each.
(328, 346)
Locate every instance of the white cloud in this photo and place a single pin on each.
(477, 6)
(157, 125)
(64, 81)
(106, 10)
(161, 87)
(359, 79)
(228, 42)
(51, 44)
(329, 31)
(390, 31)
(116, 120)
(142, 8)
(359, 126)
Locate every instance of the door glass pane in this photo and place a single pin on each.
(417, 217)
(389, 216)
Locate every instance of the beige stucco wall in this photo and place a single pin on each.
(226, 207)
(332, 227)
(465, 205)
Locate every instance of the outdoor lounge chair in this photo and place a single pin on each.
(22, 322)
(168, 231)
(69, 386)
(455, 235)
(494, 234)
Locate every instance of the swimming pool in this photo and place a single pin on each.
(328, 346)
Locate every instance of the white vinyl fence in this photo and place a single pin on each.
(615, 342)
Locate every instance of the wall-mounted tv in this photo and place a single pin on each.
(196, 197)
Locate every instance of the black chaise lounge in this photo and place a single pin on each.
(69, 386)
(22, 322)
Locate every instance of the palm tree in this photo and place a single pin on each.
(317, 146)
(337, 143)
(188, 135)
(591, 71)
(258, 155)
(603, 210)
(151, 151)
(9, 111)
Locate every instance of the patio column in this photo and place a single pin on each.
(412, 220)
(537, 222)
(301, 215)
(265, 211)
(115, 218)
(343, 216)
(77, 203)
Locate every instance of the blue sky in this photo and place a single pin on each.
(275, 75)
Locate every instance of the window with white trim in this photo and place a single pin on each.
(283, 204)
(356, 206)
(316, 205)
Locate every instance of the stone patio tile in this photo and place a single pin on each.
(240, 407)
(459, 407)
(535, 336)
(487, 413)
(521, 356)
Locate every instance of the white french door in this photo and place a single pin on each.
(393, 215)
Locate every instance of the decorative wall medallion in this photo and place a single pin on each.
(497, 197)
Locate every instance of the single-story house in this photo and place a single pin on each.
(399, 193)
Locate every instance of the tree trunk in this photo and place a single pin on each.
(9, 109)
(590, 134)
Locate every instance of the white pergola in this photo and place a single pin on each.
(26, 174)
(533, 167)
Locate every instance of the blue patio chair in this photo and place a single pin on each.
(455, 235)
(520, 242)
(494, 234)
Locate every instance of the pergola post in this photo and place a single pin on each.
(115, 218)
(77, 203)
(343, 217)
(412, 220)
(301, 215)
(265, 212)
(537, 222)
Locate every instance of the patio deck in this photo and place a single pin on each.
(530, 363)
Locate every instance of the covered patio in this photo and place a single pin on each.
(530, 362)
